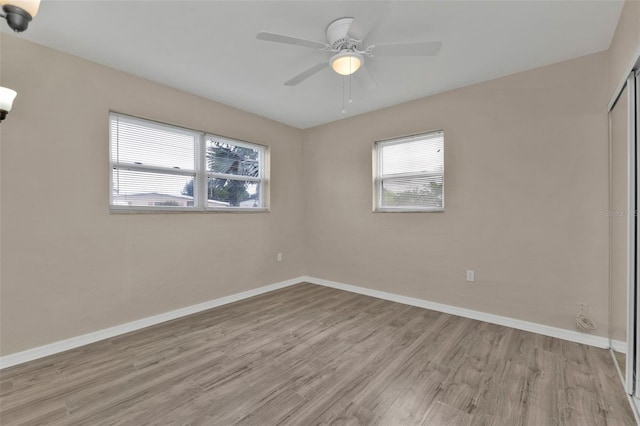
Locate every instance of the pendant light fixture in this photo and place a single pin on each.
(6, 101)
(19, 13)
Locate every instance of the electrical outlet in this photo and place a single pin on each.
(471, 276)
(279, 257)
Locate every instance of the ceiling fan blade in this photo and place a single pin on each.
(364, 78)
(306, 74)
(426, 48)
(296, 41)
(368, 15)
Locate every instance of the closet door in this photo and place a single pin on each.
(634, 136)
(622, 244)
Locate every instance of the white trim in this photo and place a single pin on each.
(635, 141)
(409, 210)
(635, 62)
(560, 333)
(85, 339)
(107, 333)
(619, 346)
(631, 233)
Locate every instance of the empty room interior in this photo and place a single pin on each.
(319, 212)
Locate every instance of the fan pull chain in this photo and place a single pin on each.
(344, 111)
(350, 74)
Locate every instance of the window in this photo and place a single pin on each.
(160, 167)
(410, 173)
(234, 173)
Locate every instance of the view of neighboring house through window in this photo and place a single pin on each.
(410, 173)
(156, 166)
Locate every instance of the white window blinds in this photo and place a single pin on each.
(156, 166)
(410, 173)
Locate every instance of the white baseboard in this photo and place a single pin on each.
(107, 333)
(619, 346)
(560, 333)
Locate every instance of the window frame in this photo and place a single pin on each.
(200, 173)
(379, 178)
(260, 179)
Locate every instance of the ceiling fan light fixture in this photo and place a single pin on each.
(19, 13)
(346, 62)
(6, 101)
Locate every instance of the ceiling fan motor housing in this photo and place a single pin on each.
(337, 34)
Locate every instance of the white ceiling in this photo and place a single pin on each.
(209, 47)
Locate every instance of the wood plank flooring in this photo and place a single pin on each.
(621, 359)
(310, 355)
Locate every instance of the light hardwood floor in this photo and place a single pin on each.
(308, 355)
(621, 359)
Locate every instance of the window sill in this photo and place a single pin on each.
(429, 210)
(142, 210)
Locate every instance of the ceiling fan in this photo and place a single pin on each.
(346, 41)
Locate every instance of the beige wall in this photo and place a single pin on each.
(625, 46)
(525, 192)
(68, 266)
(526, 195)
